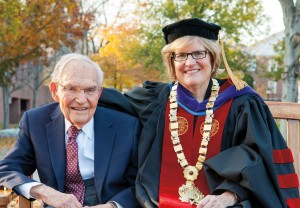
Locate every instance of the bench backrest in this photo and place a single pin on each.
(291, 113)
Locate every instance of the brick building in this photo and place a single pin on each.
(263, 51)
(22, 100)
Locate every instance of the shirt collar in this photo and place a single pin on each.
(87, 129)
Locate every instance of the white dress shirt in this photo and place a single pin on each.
(85, 141)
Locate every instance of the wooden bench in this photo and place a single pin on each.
(290, 112)
(7, 196)
(280, 110)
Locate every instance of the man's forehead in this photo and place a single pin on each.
(76, 77)
(78, 68)
(79, 64)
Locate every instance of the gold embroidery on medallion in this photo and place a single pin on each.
(214, 128)
(183, 125)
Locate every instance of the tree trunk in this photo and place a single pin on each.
(6, 98)
(35, 96)
(291, 19)
(36, 83)
(84, 49)
(291, 15)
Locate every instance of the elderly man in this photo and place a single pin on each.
(85, 155)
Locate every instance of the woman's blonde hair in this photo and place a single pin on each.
(215, 50)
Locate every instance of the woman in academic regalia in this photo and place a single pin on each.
(205, 142)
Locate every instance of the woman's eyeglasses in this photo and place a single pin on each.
(184, 56)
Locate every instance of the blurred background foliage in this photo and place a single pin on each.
(141, 39)
(123, 36)
(126, 42)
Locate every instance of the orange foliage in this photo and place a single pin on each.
(29, 29)
(118, 58)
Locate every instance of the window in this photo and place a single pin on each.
(252, 66)
(24, 105)
(272, 66)
(272, 87)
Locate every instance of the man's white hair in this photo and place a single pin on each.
(79, 57)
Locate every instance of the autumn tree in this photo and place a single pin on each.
(38, 73)
(119, 58)
(290, 75)
(90, 14)
(32, 30)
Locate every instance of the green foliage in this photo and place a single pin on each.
(278, 66)
(171, 12)
(237, 18)
(150, 52)
(239, 62)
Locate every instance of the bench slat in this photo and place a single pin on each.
(294, 142)
(284, 110)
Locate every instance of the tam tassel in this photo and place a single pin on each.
(238, 83)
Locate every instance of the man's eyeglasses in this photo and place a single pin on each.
(74, 91)
(184, 56)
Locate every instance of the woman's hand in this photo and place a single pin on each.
(108, 205)
(218, 201)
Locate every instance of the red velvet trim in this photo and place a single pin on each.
(283, 156)
(293, 202)
(288, 181)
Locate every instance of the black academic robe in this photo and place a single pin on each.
(245, 164)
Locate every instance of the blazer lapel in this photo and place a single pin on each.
(56, 142)
(104, 140)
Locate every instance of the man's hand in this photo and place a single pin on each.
(54, 198)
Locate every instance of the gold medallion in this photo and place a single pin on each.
(214, 128)
(183, 125)
(190, 173)
(188, 192)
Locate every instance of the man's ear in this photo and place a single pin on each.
(100, 92)
(53, 90)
